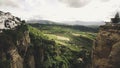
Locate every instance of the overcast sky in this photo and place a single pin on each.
(62, 10)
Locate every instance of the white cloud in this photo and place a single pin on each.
(105, 0)
(96, 10)
(12, 3)
(76, 3)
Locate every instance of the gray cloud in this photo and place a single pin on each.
(11, 3)
(105, 0)
(76, 3)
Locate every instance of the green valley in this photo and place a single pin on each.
(66, 46)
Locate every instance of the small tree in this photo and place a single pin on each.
(116, 19)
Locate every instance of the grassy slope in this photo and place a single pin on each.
(73, 38)
(71, 43)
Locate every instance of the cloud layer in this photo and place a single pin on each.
(12, 3)
(76, 3)
(62, 10)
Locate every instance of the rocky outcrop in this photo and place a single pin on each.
(106, 52)
(13, 48)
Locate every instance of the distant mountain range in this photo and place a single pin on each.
(65, 22)
(84, 23)
(41, 21)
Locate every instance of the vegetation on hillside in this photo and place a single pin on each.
(63, 46)
(52, 46)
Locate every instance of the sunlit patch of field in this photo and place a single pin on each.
(57, 37)
(62, 38)
(75, 34)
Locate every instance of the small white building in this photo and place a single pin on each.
(7, 21)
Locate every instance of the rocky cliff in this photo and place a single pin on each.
(14, 41)
(106, 52)
(13, 46)
(15, 49)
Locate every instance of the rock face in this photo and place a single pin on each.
(106, 52)
(14, 45)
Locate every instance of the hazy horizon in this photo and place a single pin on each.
(62, 10)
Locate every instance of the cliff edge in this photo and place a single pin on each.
(106, 50)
